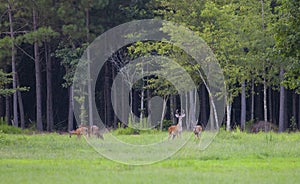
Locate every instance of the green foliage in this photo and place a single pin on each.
(167, 124)
(5, 79)
(7, 129)
(126, 131)
(293, 124)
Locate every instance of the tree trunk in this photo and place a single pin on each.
(107, 95)
(281, 102)
(142, 109)
(270, 105)
(203, 105)
(187, 110)
(243, 106)
(228, 119)
(294, 98)
(149, 110)
(7, 109)
(38, 76)
(21, 107)
(1, 107)
(298, 111)
(163, 113)
(90, 99)
(142, 103)
(172, 107)
(265, 101)
(49, 110)
(13, 66)
(192, 116)
(115, 123)
(252, 100)
(71, 105)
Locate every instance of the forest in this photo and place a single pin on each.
(256, 43)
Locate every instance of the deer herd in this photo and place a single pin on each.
(174, 130)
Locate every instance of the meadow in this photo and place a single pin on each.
(232, 157)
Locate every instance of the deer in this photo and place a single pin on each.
(87, 131)
(197, 130)
(94, 130)
(79, 132)
(175, 130)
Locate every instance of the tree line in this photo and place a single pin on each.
(256, 44)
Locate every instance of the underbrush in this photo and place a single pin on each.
(132, 131)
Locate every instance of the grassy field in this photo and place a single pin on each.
(231, 158)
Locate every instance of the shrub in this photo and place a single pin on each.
(7, 129)
(167, 124)
(126, 131)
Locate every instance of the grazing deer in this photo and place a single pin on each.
(175, 130)
(79, 131)
(93, 130)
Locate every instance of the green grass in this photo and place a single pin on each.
(231, 158)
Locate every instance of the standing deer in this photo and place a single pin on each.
(175, 130)
(197, 130)
(94, 130)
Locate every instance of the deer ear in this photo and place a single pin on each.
(176, 115)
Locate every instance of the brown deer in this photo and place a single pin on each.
(197, 131)
(79, 132)
(175, 130)
(87, 131)
(94, 130)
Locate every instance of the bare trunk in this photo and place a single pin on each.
(203, 104)
(270, 105)
(124, 116)
(192, 116)
(298, 111)
(115, 124)
(142, 103)
(187, 118)
(172, 107)
(163, 113)
(90, 100)
(142, 109)
(149, 110)
(265, 101)
(71, 105)
(38, 77)
(13, 66)
(243, 106)
(228, 119)
(49, 110)
(7, 109)
(21, 107)
(252, 100)
(1, 107)
(281, 102)
(294, 104)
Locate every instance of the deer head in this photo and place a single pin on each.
(177, 115)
